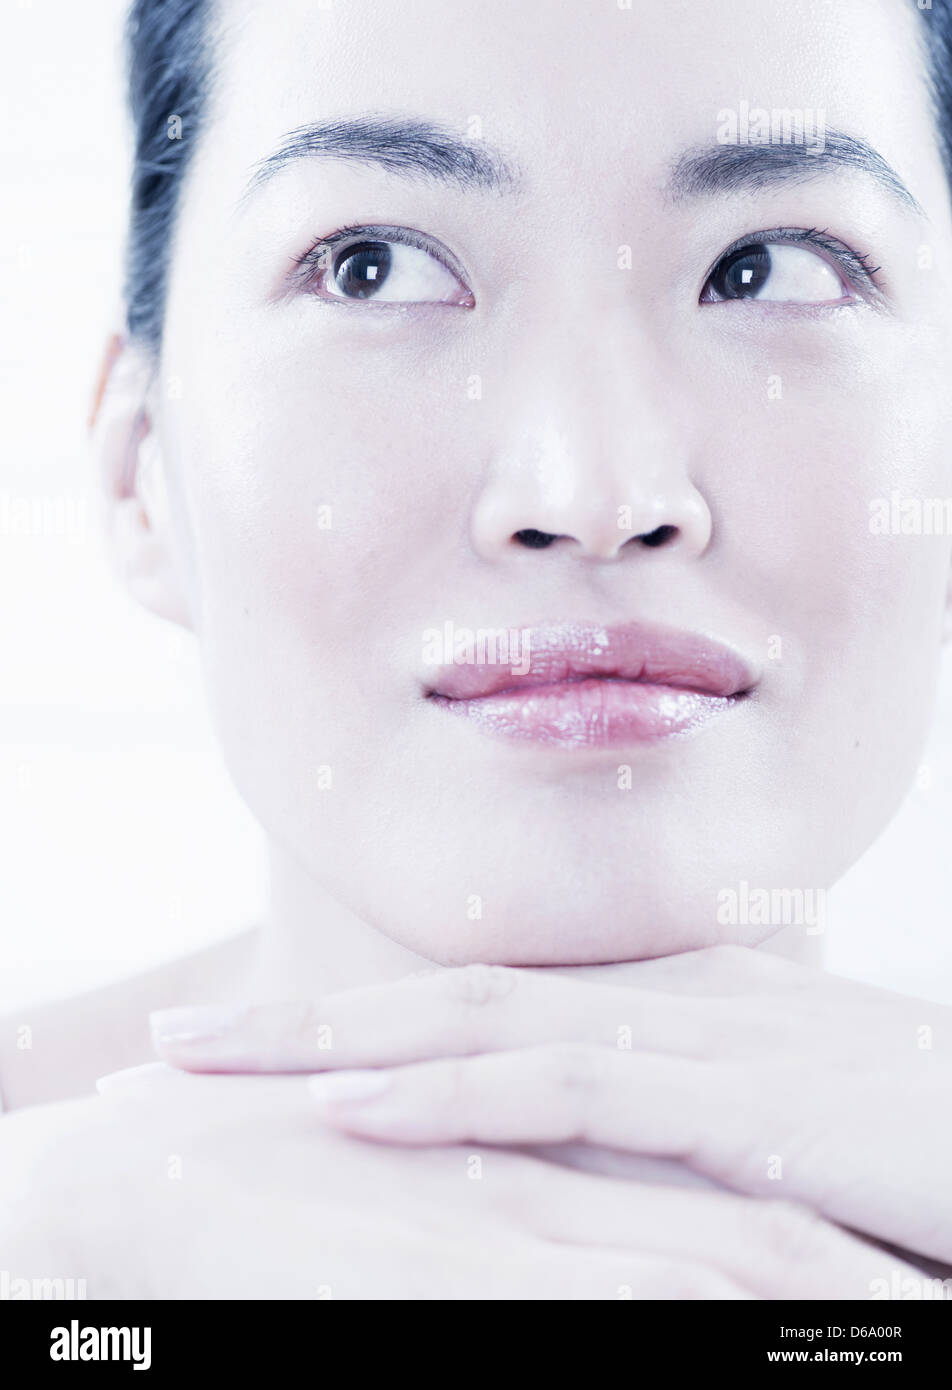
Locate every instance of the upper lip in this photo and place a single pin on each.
(637, 652)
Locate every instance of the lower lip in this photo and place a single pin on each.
(594, 713)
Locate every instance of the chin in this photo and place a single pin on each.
(539, 926)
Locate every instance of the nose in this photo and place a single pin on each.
(594, 461)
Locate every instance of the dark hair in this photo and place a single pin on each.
(169, 72)
(936, 36)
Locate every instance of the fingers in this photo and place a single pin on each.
(721, 971)
(570, 1234)
(286, 1036)
(639, 1102)
(458, 1012)
(681, 1004)
(768, 1248)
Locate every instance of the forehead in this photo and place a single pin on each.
(585, 82)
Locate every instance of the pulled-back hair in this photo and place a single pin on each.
(169, 73)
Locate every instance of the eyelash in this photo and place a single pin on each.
(855, 266)
(315, 260)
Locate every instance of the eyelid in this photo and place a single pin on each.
(307, 266)
(852, 265)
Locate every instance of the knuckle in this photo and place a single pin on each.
(477, 985)
(791, 1232)
(571, 1068)
(283, 1031)
(471, 991)
(300, 1018)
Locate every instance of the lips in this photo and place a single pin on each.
(591, 686)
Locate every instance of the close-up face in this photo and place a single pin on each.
(529, 332)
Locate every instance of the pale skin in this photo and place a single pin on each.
(755, 1073)
(657, 1032)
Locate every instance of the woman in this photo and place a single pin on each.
(509, 404)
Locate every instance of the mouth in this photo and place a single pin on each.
(583, 686)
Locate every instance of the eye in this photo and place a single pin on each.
(776, 272)
(388, 271)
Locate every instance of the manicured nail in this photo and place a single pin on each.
(198, 1024)
(348, 1087)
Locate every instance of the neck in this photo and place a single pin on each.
(314, 945)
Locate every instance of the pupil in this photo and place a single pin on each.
(744, 273)
(362, 269)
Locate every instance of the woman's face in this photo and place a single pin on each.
(353, 446)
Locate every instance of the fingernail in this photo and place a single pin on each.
(114, 1080)
(348, 1087)
(195, 1024)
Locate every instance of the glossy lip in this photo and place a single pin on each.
(592, 686)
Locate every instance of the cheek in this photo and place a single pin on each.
(852, 618)
(323, 487)
(815, 440)
(326, 503)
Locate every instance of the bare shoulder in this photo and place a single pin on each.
(62, 1170)
(57, 1050)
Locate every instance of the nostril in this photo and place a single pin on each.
(535, 540)
(659, 536)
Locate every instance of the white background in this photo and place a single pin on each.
(121, 840)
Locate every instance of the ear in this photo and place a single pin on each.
(133, 481)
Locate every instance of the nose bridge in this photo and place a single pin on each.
(614, 395)
(594, 447)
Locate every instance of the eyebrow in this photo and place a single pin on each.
(724, 169)
(407, 146)
(415, 148)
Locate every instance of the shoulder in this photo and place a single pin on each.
(169, 1185)
(56, 1050)
(62, 1173)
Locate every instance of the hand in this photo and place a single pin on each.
(767, 1077)
(176, 1186)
